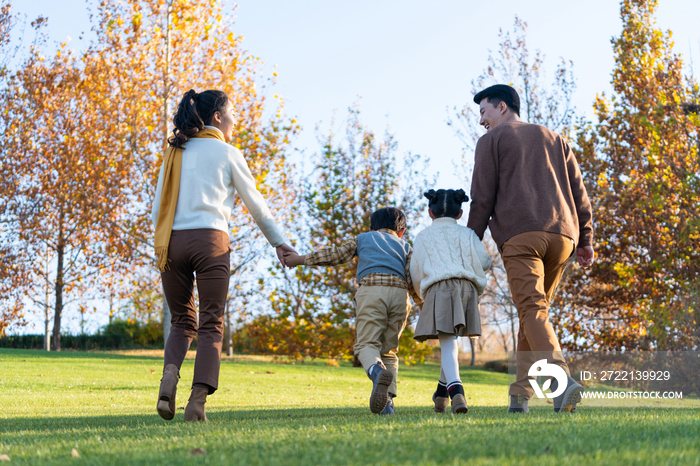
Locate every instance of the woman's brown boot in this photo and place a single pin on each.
(168, 389)
(195, 408)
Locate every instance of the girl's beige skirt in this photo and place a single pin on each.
(451, 306)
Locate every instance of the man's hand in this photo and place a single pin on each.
(293, 259)
(585, 256)
(281, 250)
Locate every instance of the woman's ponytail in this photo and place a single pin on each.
(194, 112)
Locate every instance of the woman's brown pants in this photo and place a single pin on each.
(205, 254)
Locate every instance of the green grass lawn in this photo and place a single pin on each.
(103, 406)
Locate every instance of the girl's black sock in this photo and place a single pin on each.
(455, 388)
(441, 390)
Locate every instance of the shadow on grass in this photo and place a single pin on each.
(310, 416)
(355, 436)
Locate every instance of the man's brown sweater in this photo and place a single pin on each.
(527, 179)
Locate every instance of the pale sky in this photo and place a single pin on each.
(409, 61)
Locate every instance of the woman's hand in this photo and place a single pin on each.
(281, 250)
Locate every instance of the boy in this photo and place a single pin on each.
(381, 302)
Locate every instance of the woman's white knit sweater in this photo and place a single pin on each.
(447, 250)
(212, 172)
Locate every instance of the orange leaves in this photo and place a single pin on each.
(640, 173)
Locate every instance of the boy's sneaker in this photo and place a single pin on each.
(567, 401)
(441, 403)
(518, 404)
(389, 408)
(381, 379)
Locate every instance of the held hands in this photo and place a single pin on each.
(282, 250)
(585, 256)
(292, 259)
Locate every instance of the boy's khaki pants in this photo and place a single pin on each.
(535, 262)
(381, 316)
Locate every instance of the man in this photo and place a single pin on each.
(527, 189)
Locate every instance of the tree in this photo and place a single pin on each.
(110, 104)
(541, 102)
(640, 165)
(66, 179)
(11, 267)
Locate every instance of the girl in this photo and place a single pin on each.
(447, 270)
(199, 178)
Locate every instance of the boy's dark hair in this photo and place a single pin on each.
(500, 93)
(387, 217)
(193, 112)
(446, 202)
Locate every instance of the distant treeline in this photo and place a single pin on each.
(120, 334)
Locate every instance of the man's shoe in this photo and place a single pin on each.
(567, 401)
(459, 404)
(381, 379)
(518, 404)
(166, 394)
(441, 403)
(389, 408)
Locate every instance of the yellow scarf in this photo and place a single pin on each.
(172, 166)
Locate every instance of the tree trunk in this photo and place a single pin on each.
(47, 315)
(59, 296)
(512, 329)
(47, 338)
(111, 301)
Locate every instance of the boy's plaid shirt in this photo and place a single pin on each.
(339, 255)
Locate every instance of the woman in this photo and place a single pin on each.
(196, 189)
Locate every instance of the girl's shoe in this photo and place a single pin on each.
(441, 403)
(195, 408)
(459, 404)
(166, 394)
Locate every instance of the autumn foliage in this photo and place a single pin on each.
(83, 142)
(83, 134)
(640, 163)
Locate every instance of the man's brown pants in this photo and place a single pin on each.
(535, 262)
(204, 252)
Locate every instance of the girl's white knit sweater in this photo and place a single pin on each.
(212, 172)
(447, 250)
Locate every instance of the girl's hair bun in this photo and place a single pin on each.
(430, 195)
(461, 196)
